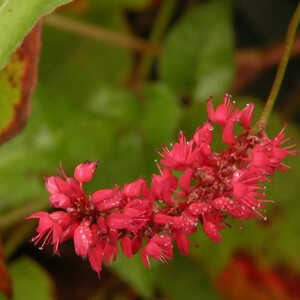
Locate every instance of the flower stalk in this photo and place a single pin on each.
(290, 38)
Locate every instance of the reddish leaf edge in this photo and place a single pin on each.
(29, 52)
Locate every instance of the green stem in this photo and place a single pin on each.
(158, 30)
(290, 38)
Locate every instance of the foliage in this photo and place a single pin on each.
(195, 56)
(26, 273)
(16, 20)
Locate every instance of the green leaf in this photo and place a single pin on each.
(16, 20)
(184, 279)
(198, 52)
(161, 115)
(124, 164)
(30, 281)
(132, 271)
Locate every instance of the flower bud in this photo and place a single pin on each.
(85, 172)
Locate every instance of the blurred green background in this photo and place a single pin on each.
(118, 79)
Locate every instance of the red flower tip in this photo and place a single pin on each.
(182, 242)
(246, 115)
(164, 185)
(55, 185)
(126, 244)
(212, 231)
(181, 155)
(107, 199)
(83, 238)
(95, 256)
(85, 172)
(134, 189)
(223, 111)
(204, 134)
(159, 247)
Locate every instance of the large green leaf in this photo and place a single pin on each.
(198, 54)
(30, 281)
(16, 20)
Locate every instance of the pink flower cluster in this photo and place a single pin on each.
(211, 186)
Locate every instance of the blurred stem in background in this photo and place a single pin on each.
(159, 27)
(101, 34)
(250, 63)
(290, 38)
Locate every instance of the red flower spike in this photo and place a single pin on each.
(209, 187)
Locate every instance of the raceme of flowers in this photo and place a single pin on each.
(211, 187)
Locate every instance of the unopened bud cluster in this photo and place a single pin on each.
(211, 187)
